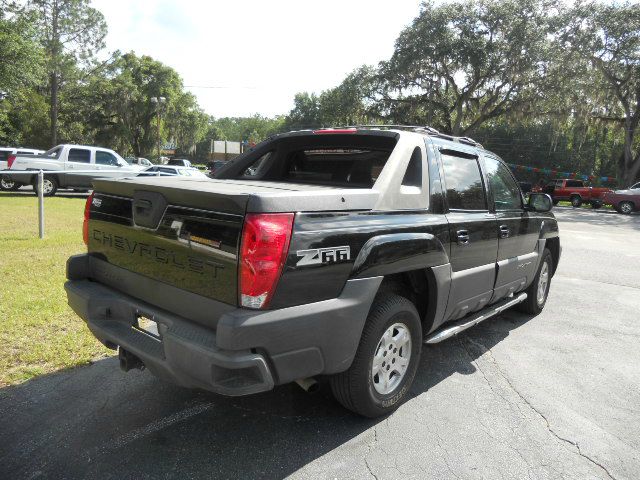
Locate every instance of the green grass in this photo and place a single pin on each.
(39, 333)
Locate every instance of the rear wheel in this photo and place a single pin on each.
(576, 201)
(386, 360)
(49, 186)
(538, 291)
(625, 207)
(7, 184)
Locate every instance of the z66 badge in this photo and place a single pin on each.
(317, 256)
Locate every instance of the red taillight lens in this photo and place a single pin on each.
(10, 160)
(85, 224)
(263, 252)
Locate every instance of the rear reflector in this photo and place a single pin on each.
(336, 130)
(263, 252)
(10, 160)
(85, 224)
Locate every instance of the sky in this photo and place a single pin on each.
(254, 56)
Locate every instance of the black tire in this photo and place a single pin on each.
(626, 208)
(9, 185)
(555, 202)
(576, 201)
(596, 205)
(531, 305)
(355, 388)
(50, 186)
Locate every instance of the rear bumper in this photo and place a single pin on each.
(248, 352)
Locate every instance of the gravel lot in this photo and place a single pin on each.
(547, 397)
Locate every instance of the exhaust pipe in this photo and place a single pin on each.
(309, 385)
(128, 361)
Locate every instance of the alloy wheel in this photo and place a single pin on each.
(391, 359)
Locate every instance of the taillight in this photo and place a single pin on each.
(10, 160)
(263, 252)
(85, 224)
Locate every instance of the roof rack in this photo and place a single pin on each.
(420, 128)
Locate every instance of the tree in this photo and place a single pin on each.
(71, 32)
(19, 51)
(461, 64)
(119, 112)
(305, 112)
(346, 104)
(608, 37)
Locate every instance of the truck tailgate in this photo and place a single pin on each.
(170, 232)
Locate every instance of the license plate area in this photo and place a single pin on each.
(147, 325)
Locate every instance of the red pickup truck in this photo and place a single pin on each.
(575, 191)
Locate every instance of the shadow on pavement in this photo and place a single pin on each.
(98, 422)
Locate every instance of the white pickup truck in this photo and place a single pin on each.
(6, 183)
(74, 162)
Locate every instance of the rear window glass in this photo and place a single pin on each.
(340, 161)
(349, 167)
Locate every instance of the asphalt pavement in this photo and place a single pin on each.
(555, 396)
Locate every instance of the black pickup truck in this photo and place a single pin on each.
(334, 252)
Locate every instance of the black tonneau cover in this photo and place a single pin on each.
(241, 196)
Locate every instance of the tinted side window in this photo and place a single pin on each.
(506, 194)
(464, 183)
(574, 183)
(105, 158)
(79, 155)
(4, 154)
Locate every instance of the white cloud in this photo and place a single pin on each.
(258, 53)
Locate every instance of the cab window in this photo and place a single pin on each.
(79, 155)
(106, 158)
(465, 190)
(505, 191)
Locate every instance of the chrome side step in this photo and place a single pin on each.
(450, 330)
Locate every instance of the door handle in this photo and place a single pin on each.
(463, 237)
(504, 231)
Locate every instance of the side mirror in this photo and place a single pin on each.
(540, 202)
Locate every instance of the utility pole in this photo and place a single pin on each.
(158, 101)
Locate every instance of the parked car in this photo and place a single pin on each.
(574, 191)
(170, 170)
(624, 201)
(6, 181)
(70, 158)
(138, 161)
(180, 162)
(334, 252)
